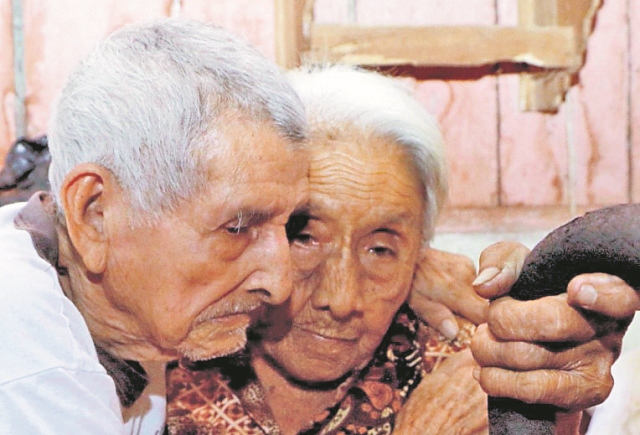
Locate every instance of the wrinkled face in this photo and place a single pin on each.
(354, 260)
(192, 280)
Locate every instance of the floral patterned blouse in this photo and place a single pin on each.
(223, 396)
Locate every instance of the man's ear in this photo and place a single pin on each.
(84, 194)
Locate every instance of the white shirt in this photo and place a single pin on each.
(51, 381)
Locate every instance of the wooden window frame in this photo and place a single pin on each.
(550, 39)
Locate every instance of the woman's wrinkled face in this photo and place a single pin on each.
(354, 252)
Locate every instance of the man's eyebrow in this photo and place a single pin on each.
(253, 217)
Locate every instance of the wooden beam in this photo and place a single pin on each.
(289, 32)
(544, 92)
(551, 34)
(549, 47)
(580, 14)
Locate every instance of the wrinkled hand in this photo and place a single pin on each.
(447, 401)
(442, 286)
(549, 350)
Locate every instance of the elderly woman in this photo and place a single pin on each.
(347, 352)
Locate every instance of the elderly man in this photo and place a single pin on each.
(176, 162)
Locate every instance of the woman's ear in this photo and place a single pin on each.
(84, 195)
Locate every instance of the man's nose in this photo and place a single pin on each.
(340, 291)
(275, 268)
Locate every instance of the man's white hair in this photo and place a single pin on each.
(342, 100)
(150, 101)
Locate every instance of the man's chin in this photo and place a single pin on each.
(216, 338)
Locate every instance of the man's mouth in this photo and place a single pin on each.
(227, 313)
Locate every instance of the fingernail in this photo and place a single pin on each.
(485, 276)
(449, 329)
(476, 373)
(586, 295)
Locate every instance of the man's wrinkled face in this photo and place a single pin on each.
(354, 260)
(194, 279)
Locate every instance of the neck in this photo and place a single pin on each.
(284, 395)
(111, 327)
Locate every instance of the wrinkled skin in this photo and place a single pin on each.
(442, 287)
(353, 261)
(512, 348)
(354, 258)
(188, 283)
(449, 401)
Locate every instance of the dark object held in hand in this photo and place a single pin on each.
(605, 240)
(25, 170)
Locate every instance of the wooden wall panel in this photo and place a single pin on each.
(587, 153)
(533, 153)
(332, 11)
(467, 114)
(580, 153)
(465, 106)
(58, 33)
(7, 94)
(600, 119)
(634, 96)
(252, 19)
(426, 12)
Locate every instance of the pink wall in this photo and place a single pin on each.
(7, 94)
(587, 154)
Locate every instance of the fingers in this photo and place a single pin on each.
(462, 300)
(567, 390)
(574, 376)
(435, 314)
(605, 294)
(454, 264)
(456, 362)
(500, 266)
(548, 319)
(521, 355)
(435, 407)
(441, 286)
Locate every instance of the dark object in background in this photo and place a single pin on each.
(605, 240)
(25, 170)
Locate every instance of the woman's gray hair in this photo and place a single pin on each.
(150, 103)
(341, 100)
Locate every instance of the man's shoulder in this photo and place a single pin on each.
(40, 328)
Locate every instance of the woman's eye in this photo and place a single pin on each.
(295, 227)
(302, 238)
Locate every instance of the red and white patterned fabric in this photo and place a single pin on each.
(223, 396)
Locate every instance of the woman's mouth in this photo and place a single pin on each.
(326, 334)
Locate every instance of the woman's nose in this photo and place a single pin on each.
(340, 288)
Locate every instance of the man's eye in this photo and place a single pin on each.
(238, 226)
(382, 251)
(237, 229)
